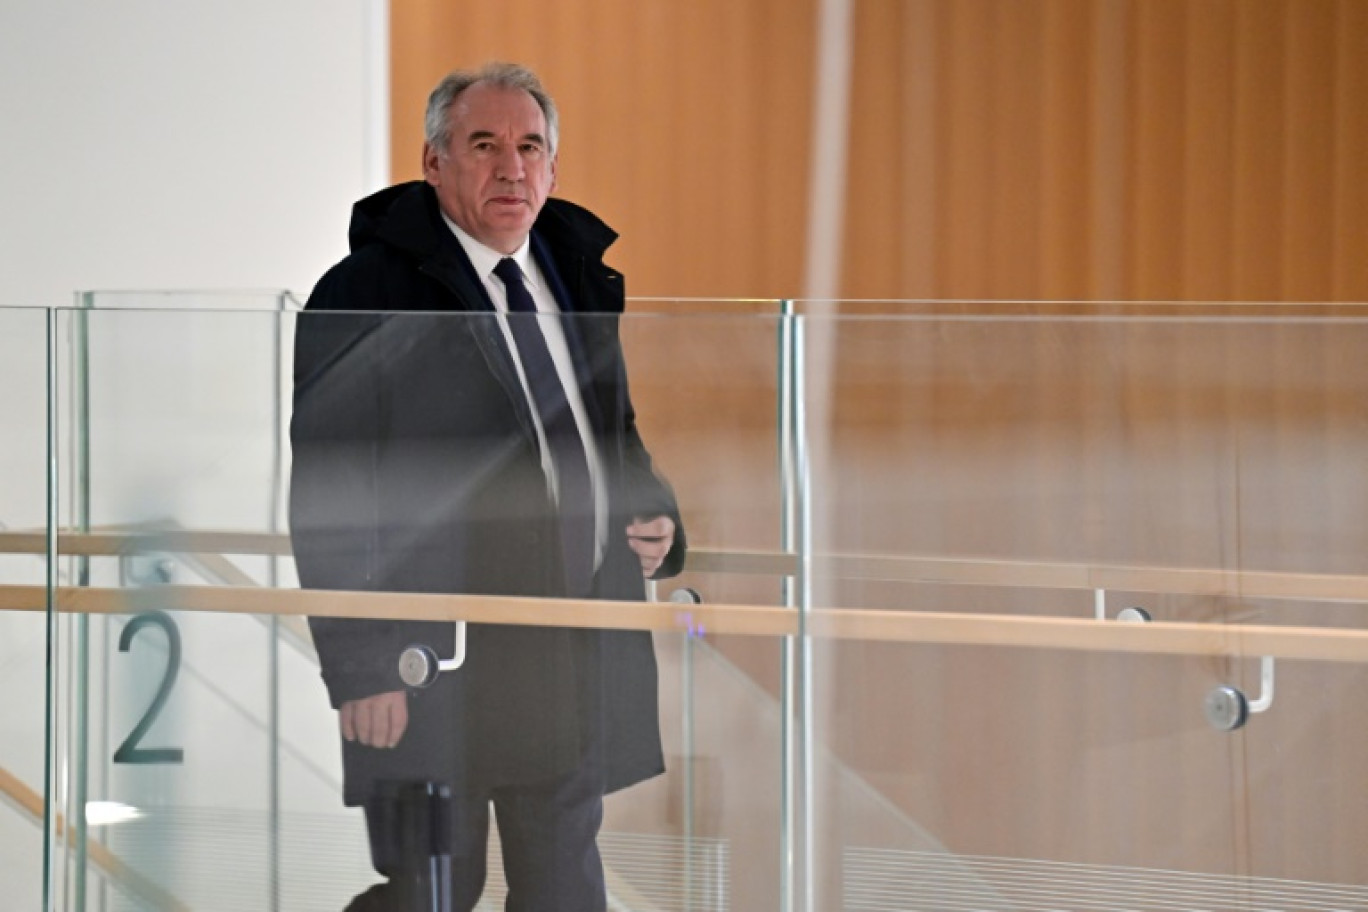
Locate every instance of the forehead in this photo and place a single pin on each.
(485, 108)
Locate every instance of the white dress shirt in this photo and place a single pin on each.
(484, 259)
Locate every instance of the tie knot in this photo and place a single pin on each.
(508, 271)
(519, 298)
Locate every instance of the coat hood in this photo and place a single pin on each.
(406, 217)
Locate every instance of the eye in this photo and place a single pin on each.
(530, 148)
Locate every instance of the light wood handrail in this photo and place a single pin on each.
(1251, 584)
(129, 878)
(112, 543)
(946, 628)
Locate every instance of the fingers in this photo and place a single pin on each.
(369, 722)
(650, 540)
(377, 721)
(346, 718)
(660, 528)
(650, 554)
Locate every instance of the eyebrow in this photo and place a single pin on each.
(487, 134)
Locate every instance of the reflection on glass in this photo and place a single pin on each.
(210, 717)
(424, 462)
(987, 494)
(1029, 467)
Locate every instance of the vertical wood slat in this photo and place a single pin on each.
(1066, 236)
(1207, 204)
(919, 248)
(1016, 85)
(1307, 241)
(1258, 162)
(964, 150)
(1159, 179)
(1350, 232)
(876, 169)
(1110, 129)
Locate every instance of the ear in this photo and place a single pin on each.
(430, 162)
(554, 159)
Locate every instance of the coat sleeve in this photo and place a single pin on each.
(647, 494)
(336, 447)
(642, 491)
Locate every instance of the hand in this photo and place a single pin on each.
(651, 540)
(377, 721)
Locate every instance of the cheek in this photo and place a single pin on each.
(473, 189)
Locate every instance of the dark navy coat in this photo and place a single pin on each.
(416, 469)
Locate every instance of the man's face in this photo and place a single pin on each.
(497, 171)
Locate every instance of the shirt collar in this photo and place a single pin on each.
(484, 258)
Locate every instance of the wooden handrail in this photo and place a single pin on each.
(150, 892)
(946, 628)
(1251, 584)
(115, 543)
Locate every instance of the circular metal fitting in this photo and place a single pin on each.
(1133, 615)
(1226, 708)
(686, 596)
(418, 666)
(150, 569)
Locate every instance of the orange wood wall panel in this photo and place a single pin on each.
(997, 148)
(1159, 149)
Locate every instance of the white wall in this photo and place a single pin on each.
(216, 144)
(153, 144)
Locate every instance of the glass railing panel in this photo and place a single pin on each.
(1301, 520)
(1032, 476)
(23, 563)
(706, 378)
(234, 795)
(172, 754)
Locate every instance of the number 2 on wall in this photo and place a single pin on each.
(129, 752)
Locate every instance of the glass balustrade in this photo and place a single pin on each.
(205, 718)
(1015, 488)
(1014, 606)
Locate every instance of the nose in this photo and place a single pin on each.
(509, 164)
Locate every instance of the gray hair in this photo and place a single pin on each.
(437, 120)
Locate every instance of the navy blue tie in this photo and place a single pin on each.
(575, 495)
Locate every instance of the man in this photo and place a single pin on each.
(489, 451)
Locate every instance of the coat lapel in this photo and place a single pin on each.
(450, 266)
